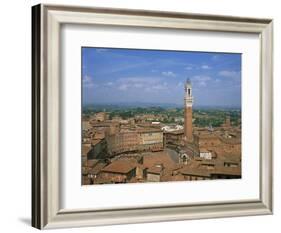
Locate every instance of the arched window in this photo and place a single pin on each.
(184, 159)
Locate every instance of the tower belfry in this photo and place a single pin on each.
(188, 102)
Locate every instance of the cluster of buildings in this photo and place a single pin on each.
(142, 149)
(109, 138)
(157, 167)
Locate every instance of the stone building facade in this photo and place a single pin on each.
(188, 102)
(135, 141)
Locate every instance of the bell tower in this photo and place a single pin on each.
(188, 102)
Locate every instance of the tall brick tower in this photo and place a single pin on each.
(188, 101)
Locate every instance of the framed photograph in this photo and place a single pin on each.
(143, 116)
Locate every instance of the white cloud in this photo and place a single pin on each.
(108, 84)
(123, 66)
(123, 87)
(169, 73)
(201, 80)
(159, 87)
(190, 66)
(139, 83)
(230, 74)
(88, 82)
(206, 67)
(156, 87)
(133, 80)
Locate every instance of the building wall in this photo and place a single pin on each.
(122, 142)
(112, 177)
(151, 141)
(139, 173)
(192, 177)
(153, 177)
(83, 159)
(209, 141)
(98, 149)
(151, 137)
(188, 124)
(117, 177)
(101, 116)
(113, 129)
(86, 125)
(172, 138)
(206, 155)
(134, 141)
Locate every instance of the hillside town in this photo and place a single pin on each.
(145, 147)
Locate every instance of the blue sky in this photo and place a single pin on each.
(158, 76)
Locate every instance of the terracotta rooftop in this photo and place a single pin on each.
(97, 168)
(155, 170)
(99, 135)
(235, 171)
(120, 166)
(220, 170)
(162, 157)
(91, 162)
(195, 172)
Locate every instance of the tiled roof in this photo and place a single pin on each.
(155, 170)
(120, 166)
(152, 159)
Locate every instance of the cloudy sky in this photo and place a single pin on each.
(153, 76)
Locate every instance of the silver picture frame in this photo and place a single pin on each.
(46, 141)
